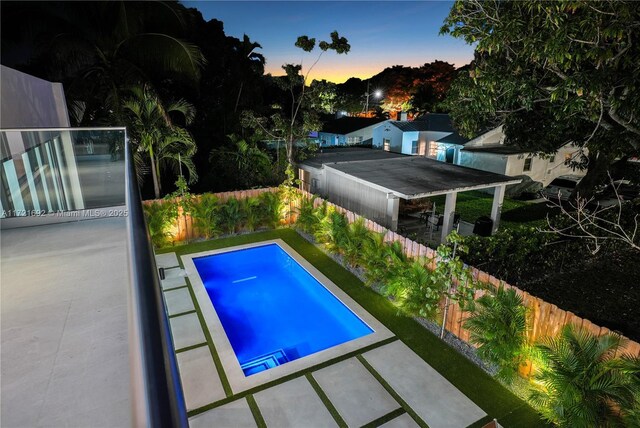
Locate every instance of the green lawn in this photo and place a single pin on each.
(474, 204)
(493, 398)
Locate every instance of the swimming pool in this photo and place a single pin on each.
(273, 310)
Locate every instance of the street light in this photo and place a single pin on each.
(376, 94)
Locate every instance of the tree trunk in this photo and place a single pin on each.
(235, 109)
(154, 176)
(599, 165)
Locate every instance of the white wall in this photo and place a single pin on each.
(388, 131)
(543, 170)
(484, 161)
(29, 102)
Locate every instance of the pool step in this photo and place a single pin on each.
(264, 362)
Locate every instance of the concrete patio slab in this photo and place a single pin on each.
(200, 382)
(236, 414)
(186, 331)
(293, 404)
(167, 260)
(64, 327)
(178, 301)
(426, 391)
(402, 421)
(354, 392)
(174, 282)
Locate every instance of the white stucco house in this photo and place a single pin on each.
(348, 131)
(433, 136)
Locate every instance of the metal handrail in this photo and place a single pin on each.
(157, 395)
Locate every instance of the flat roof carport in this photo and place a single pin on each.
(420, 177)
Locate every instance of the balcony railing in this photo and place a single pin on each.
(53, 175)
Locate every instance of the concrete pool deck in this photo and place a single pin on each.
(381, 384)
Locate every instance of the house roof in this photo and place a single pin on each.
(428, 122)
(346, 125)
(352, 154)
(413, 177)
(501, 149)
(454, 138)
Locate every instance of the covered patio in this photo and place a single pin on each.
(373, 188)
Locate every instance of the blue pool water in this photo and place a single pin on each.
(272, 309)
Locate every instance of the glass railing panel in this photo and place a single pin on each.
(48, 171)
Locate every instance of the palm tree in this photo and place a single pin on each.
(255, 63)
(498, 325)
(355, 241)
(153, 132)
(410, 286)
(100, 48)
(582, 384)
(253, 165)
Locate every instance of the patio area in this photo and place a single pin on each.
(383, 384)
(386, 383)
(65, 341)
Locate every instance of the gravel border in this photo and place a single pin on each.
(462, 347)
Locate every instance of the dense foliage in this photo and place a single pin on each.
(583, 384)
(498, 326)
(552, 73)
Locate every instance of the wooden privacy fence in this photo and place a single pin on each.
(545, 319)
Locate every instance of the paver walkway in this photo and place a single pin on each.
(386, 384)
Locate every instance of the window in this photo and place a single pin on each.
(527, 164)
(414, 147)
(354, 140)
(552, 159)
(386, 144)
(433, 149)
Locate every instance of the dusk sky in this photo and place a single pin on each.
(381, 34)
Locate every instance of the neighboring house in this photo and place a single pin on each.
(433, 136)
(489, 153)
(417, 137)
(348, 131)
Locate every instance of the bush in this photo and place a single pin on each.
(204, 213)
(271, 209)
(231, 216)
(498, 325)
(160, 216)
(582, 384)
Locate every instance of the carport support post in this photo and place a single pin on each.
(449, 209)
(393, 206)
(496, 207)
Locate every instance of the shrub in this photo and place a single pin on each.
(254, 213)
(332, 230)
(230, 215)
(498, 325)
(582, 384)
(413, 289)
(307, 219)
(160, 216)
(204, 212)
(355, 240)
(271, 209)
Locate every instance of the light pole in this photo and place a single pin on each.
(376, 94)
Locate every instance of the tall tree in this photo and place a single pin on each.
(155, 135)
(97, 49)
(291, 122)
(552, 73)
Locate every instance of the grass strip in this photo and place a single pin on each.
(193, 311)
(385, 418)
(189, 348)
(174, 288)
(291, 376)
(255, 410)
(393, 393)
(327, 403)
(481, 422)
(212, 348)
